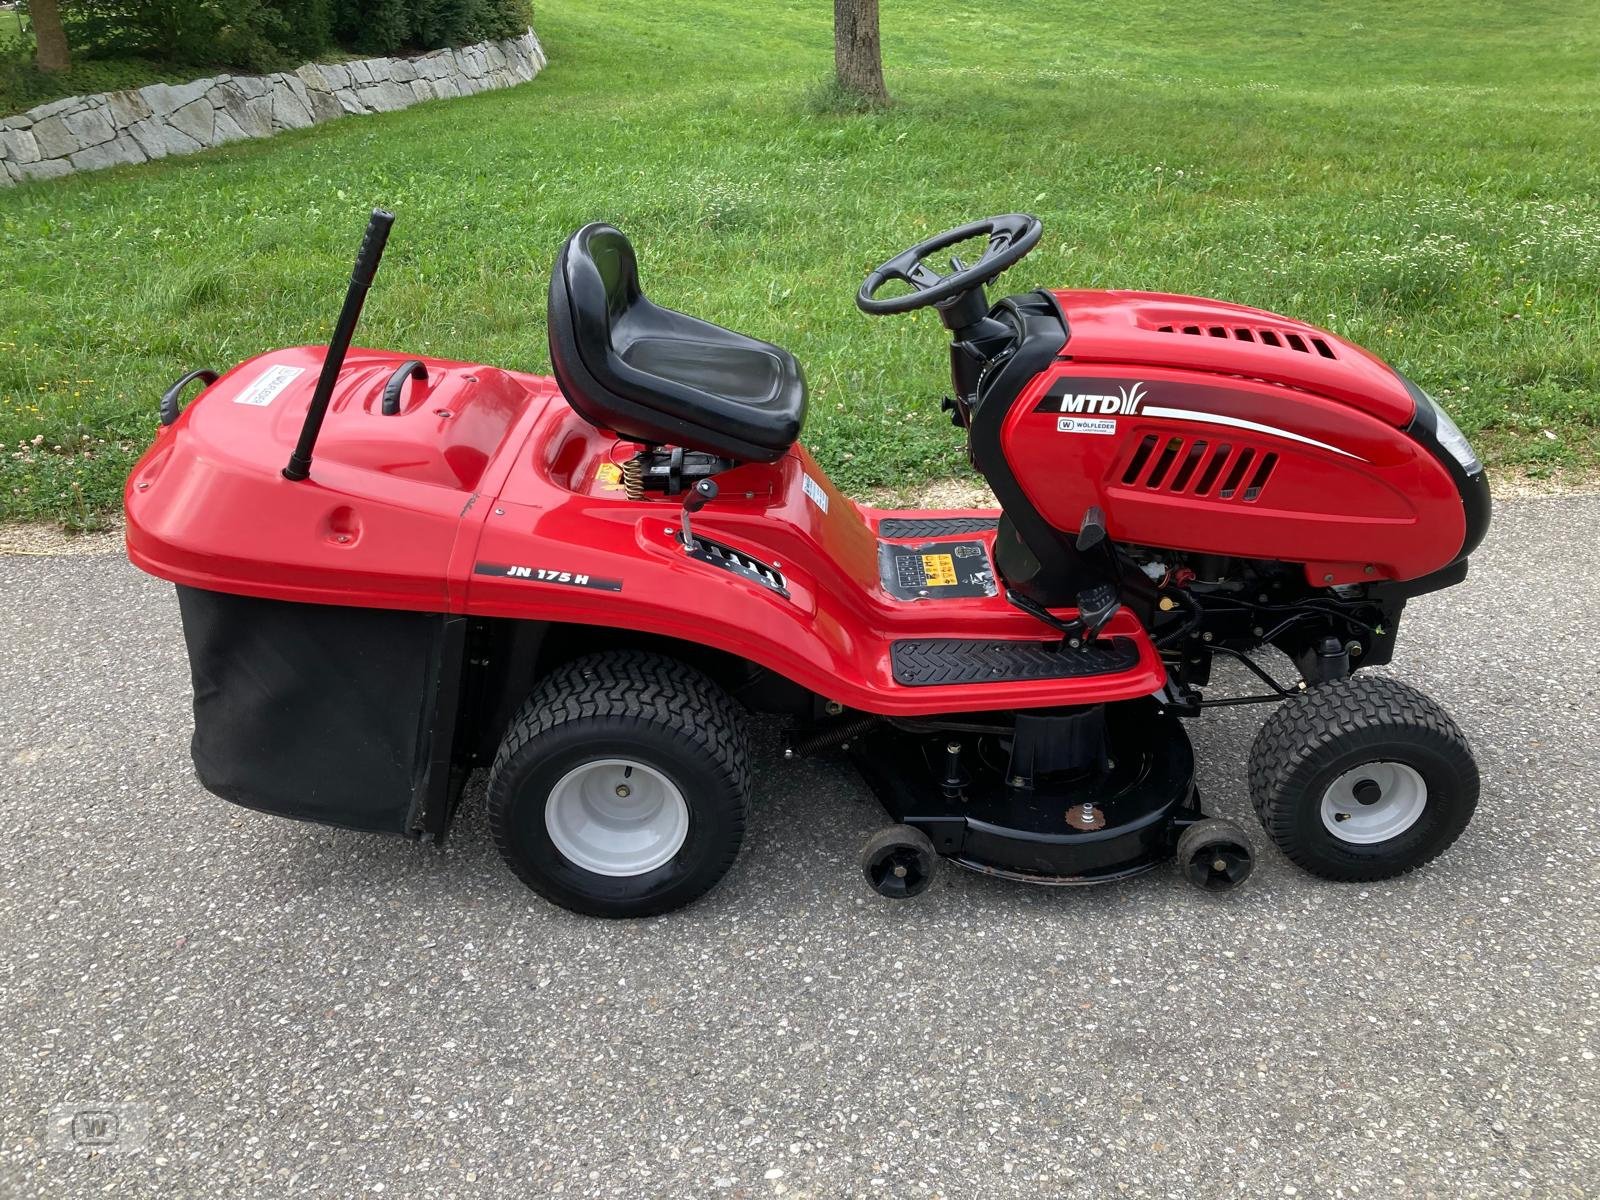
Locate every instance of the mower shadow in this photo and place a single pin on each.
(809, 819)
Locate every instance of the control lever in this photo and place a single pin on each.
(1071, 631)
(1092, 530)
(1099, 603)
(1096, 606)
(960, 411)
(702, 494)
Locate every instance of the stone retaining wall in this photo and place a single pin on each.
(86, 133)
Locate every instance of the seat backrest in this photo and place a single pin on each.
(594, 282)
(602, 273)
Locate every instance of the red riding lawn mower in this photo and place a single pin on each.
(393, 570)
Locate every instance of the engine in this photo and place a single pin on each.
(1258, 481)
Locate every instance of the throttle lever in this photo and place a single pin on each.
(702, 494)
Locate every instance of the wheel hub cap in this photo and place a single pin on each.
(898, 873)
(1374, 802)
(616, 817)
(1219, 866)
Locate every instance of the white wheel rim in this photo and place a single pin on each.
(1374, 802)
(616, 817)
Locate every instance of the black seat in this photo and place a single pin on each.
(658, 376)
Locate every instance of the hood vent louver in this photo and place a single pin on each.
(1282, 339)
(1198, 468)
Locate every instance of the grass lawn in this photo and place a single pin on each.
(10, 24)
(1423, 178)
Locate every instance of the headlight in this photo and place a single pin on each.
(1452, 439)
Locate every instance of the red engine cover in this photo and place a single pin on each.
(1215, 428)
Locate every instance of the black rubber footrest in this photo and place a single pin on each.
(932, 527)
(927, 662)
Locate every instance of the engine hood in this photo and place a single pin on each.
(1154, 329)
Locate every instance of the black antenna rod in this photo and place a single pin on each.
(367, 260)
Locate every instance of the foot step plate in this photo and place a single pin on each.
(932, 527)
(934, 661)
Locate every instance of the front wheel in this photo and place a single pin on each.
(1362, 779)
(621, 787)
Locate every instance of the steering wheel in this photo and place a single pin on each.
(1010, 238)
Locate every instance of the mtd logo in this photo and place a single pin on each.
(1125, 404)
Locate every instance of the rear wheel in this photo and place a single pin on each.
(620, 789)
(1362, 779)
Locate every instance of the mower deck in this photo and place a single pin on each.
(1089, 822)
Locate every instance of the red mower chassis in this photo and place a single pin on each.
(515, 509)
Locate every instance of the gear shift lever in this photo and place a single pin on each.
(702, 494)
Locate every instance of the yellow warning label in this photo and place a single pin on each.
(940, 570)
(609, 475)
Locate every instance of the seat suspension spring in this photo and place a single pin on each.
(633, 478)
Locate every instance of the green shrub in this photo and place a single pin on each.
(16, 42)
(503, 18)
(393, 26)
(23, 85)
(301, 29)
(441, 22)
(374, 26)
(262, 35)
(234, 33)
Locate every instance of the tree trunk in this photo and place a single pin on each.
(50, 37)
(857, 56)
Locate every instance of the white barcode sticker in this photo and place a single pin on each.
(814, 489)
(264, 389)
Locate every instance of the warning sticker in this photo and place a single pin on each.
(609, 476)
(264, 389)
(935, 570)
(939, 570)
(814, 489)
(1086, 424)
